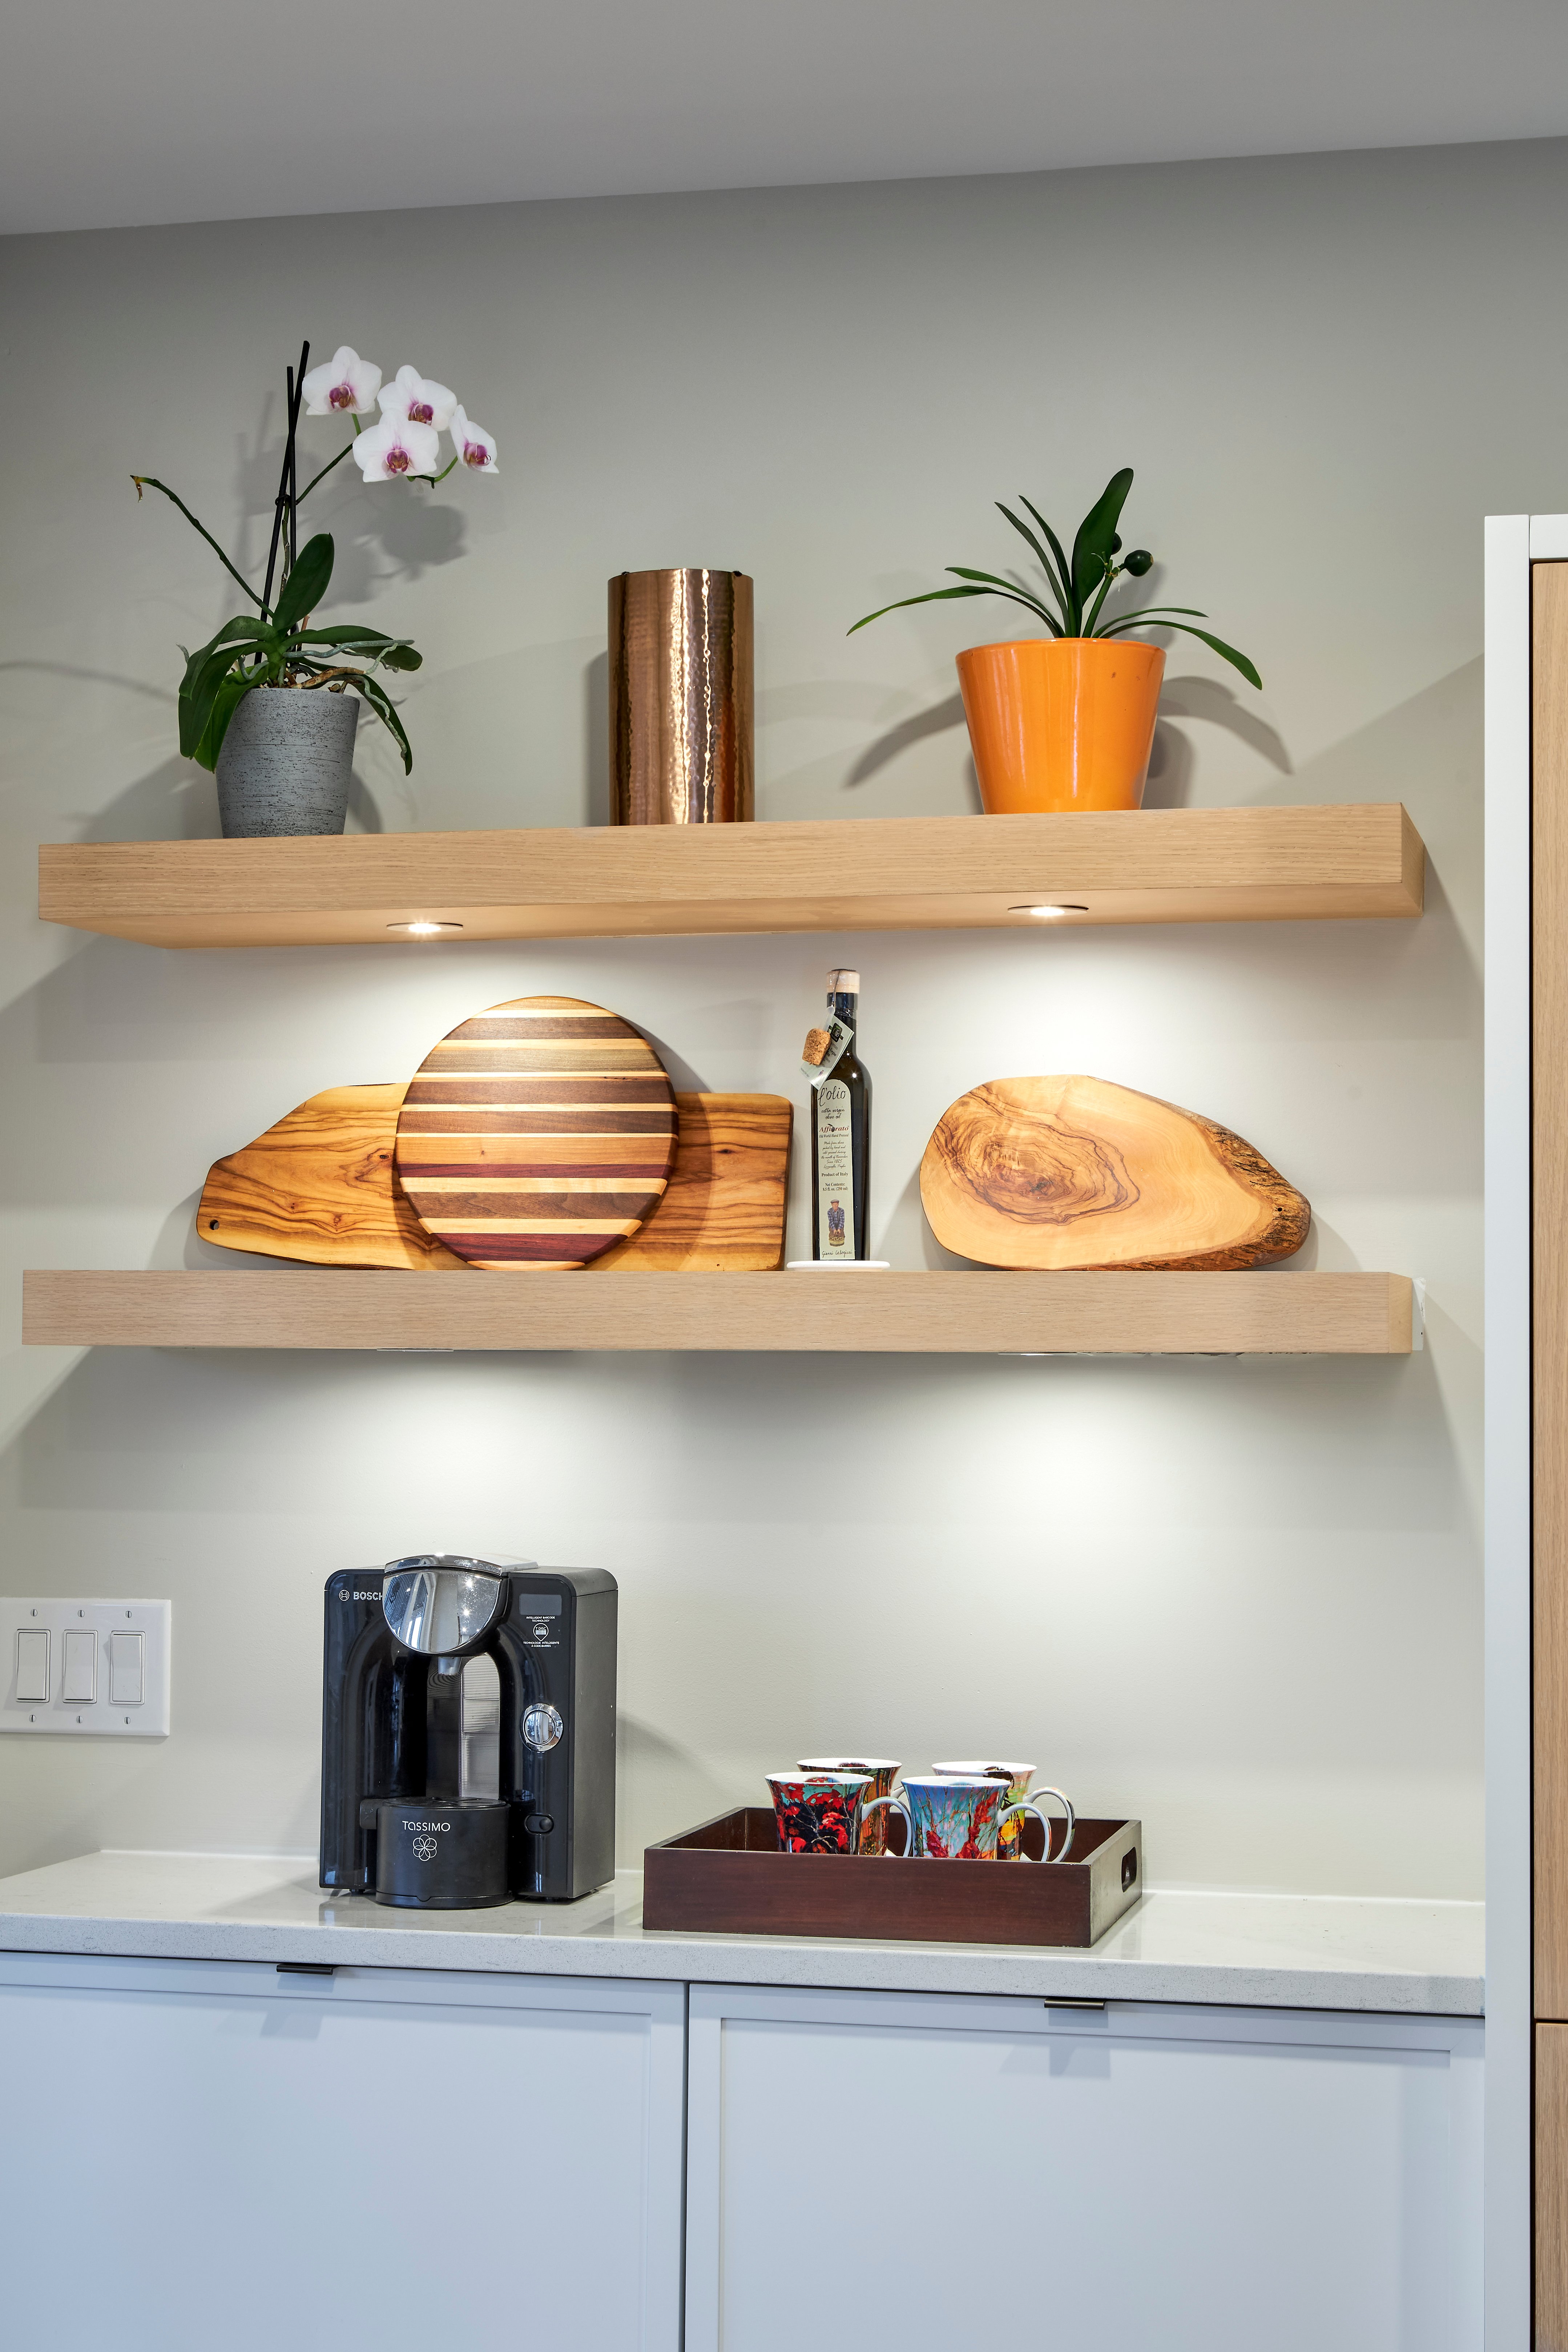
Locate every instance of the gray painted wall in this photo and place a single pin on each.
(1241, 1598)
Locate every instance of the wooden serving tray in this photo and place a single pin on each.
(728, 1877)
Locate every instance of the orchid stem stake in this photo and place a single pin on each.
(296, 391)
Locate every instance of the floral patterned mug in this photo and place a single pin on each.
(881, 1773)
(951, 1820)
(1016, 1776)
(818, 1813)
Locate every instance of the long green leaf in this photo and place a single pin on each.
(1143, 611)
(307, 582)
(1226, 653)
(1000, 580)
(1064, 601)
(349, 637)
(230, 694)
(931, 596)
(198, 694)
(1063, 566)
(995, 586)
(343, 633)
(236, 634)
(1093, 549)
(197, 699)
(381, 702)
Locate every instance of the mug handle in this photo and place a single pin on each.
(1031, 1805)
(900, 1806)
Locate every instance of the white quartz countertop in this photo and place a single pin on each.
(1274, 1951)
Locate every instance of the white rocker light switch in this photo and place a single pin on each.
(32, 1667)
(125, 1669)
(78, 1679)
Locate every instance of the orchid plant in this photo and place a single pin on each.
(1078, 589)
(276, 646)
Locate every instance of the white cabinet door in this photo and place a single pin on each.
(889, 2171)
(211, 2157)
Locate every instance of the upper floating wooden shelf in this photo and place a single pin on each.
(877, 1314)
(945, 872)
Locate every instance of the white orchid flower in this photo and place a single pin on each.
(411, 395)
(475, 448)
(396, 448)
(346, 387)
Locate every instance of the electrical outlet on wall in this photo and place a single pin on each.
(85, 1668)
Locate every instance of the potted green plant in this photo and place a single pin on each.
(1066, 721)
(269, 703)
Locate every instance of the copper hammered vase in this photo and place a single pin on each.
(680, 698)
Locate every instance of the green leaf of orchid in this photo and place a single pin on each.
(237, 635)
(343, 633)
(350, 636)
(307, 582)
(197, 698)
(381, 702)
(229, 697)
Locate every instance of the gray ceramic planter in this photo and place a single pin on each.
(286, 763)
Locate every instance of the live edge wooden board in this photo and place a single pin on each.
(878, 1314)
(950, 873)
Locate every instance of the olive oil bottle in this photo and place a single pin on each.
(841, 1133)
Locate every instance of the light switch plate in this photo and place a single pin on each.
(86, 1718)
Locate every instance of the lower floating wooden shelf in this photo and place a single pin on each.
(876, 1314)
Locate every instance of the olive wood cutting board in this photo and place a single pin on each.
(1059, 1173)
(321, 1187)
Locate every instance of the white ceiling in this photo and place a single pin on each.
(122, 112)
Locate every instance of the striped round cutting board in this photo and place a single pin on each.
(537, 1135)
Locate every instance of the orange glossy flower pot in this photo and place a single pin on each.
(1061, 722)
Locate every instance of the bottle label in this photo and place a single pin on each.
(835, 1172)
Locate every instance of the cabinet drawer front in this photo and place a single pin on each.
(202, 2155)
(1183, 2180)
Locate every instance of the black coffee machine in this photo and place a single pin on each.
(395, 1821)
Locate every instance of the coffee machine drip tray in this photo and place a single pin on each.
(443, 1856)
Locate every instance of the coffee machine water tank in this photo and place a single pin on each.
(395, 1821)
